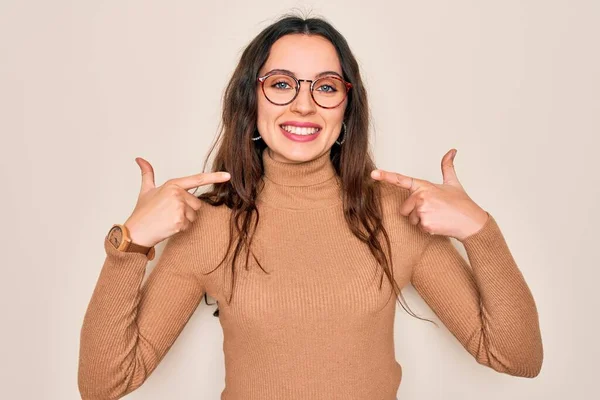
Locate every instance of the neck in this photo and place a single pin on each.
(309, 184)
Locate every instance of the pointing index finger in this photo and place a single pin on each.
(203, 178)
(397, 179)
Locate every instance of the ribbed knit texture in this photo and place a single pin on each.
(315, 325)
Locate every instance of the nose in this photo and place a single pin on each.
(303, 103)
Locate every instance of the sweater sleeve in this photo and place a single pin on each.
(486, 305)
(127, 329)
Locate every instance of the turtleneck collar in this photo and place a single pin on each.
(310, 184)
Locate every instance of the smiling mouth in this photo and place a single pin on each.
(302, 131)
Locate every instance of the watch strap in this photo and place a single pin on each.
(139, 248)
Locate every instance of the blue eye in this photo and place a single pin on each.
(330, 90)
(277, 85)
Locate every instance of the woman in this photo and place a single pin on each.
(303, 243)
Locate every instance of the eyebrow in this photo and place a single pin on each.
(320, 74)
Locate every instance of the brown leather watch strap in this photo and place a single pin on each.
(148, 251)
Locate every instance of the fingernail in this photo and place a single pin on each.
(375, 174)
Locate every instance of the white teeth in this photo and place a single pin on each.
(300, 131)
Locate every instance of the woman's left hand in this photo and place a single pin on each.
(441, 209)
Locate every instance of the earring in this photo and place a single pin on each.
(344, 139)
(255, 138)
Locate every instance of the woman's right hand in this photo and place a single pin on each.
(163, 211)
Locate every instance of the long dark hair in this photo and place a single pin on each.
(239, 155)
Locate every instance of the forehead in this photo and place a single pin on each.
(304, 55)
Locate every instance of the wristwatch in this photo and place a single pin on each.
(119, 237)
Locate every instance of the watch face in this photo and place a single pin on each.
(115, 236)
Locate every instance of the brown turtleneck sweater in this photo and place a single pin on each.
(317, 327)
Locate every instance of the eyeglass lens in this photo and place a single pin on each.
(328, 91)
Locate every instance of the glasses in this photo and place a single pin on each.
(281, 88)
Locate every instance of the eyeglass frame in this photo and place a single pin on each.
(262, 79)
